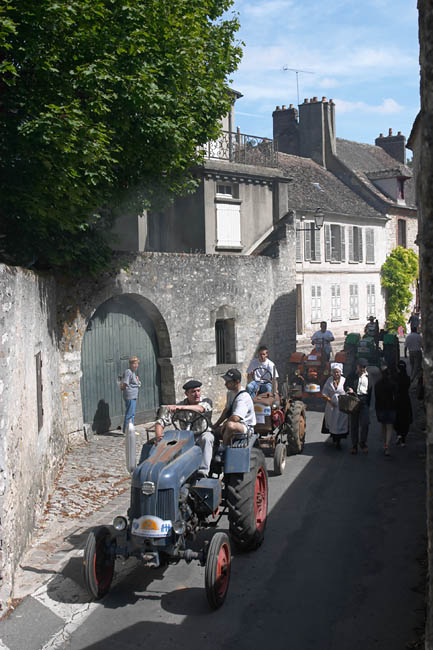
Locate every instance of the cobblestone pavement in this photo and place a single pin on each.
(91, 488)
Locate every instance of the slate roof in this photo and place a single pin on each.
(367, 159)
(313, 187)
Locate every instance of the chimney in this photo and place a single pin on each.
(394, 145)
(286, 130)
(317, 138)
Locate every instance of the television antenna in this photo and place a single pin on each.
(297, 71)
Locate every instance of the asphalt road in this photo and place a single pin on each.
(341, 568)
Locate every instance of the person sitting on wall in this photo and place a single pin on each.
(238, 417)
(322, 339)
(192, 402)
(260, 373)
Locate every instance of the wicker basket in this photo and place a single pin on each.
(348, 403)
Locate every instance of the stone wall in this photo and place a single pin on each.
(424, 188)
(183, 294)
(411, 233)
(29, 457)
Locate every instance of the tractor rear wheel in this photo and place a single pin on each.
(280, 456)
(98, 562)
(217, 571)
(247, 502)
(296, 421)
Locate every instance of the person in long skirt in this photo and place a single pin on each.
(385, 391)
(336, 422)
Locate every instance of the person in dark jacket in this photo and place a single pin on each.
(404, 409)
(358, 382)
(385, 392)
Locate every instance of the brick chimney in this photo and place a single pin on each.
(286, 129)
(394, 145)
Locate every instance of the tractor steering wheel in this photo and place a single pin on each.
(264, 374)
(185, 422)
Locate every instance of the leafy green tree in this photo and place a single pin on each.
(101, 100)
(399, 273)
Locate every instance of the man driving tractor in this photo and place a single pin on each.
(192, 402)
(322, 339)
(238, 418)
(260, 373)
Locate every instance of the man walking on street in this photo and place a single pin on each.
(413, 343)
(359, 383)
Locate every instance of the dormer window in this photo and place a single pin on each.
(400, 188)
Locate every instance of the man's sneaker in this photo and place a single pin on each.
(363, 447)
(354, 450)
(399, 440)
(386, 450)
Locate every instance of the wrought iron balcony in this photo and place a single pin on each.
(241, 148)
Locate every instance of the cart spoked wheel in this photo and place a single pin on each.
(280, 456)
(261, 499)
(217, 571)
(98, 562)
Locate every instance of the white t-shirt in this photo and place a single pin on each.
(413, 342)
(258, 368)
(243, 408)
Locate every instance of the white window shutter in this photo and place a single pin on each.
(351, 252)
(343, 243)
(327, 242)
(298, 243)
(369, 245)
(360, 252)
(307, 243)
(228, 224)
(317, 252)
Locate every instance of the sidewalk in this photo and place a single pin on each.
(91, 489)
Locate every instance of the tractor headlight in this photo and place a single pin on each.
(119, 523)
(148, 488)
(275, 406)
(179, 527)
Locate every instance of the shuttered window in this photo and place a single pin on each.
(369, 245)
(312, 242)
(335, 248)
(371, 300)
(316, 303)
(353, 301)
(335, 302)
(355, 244)
(225, 341)
(298, 242)
(228, 225)
(401, 233)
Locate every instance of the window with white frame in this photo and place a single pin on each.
(228, 216)
(229, 190)
(298, 242)
(369, 245)
(371, 300)
(355, 244)
(335, 244)
(316, 303)
(311, 242)
(335, 302)
(353, 301)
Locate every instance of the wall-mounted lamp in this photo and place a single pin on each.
(319, 218)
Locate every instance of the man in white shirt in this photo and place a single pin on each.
(260, 373)
(322, 339)
(413, 343)
(238, 418)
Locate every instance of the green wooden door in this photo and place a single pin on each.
(118, 330)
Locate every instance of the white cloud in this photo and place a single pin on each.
(268, 7)
(329, 82)
(388, 107)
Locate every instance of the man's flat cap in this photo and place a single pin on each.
(192, 383)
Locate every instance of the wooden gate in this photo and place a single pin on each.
(119, 329)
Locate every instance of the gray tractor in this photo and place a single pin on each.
(171, 503)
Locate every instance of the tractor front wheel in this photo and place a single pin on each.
(295, 421)
(98, 562)
(247, 502)
(280, 456)
(217, 571)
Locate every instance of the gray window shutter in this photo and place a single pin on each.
(343, 243)
(360, 253)
(327, 242)
(369, 245)
(298, 243)
(317, 251)
(307, 243)
(351, 252)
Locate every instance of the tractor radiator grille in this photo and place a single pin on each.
(165, 505)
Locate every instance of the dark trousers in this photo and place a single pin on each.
(415, 363)
(359, 422)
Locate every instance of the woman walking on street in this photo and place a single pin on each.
(336, 422)
(404, 410)
(386, 406)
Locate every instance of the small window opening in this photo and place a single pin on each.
(225, 341)
(39, 389)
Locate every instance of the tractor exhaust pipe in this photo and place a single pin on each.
(130, 448)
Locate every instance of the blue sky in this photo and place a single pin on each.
(364, 55)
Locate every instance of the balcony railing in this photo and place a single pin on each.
(241, 148)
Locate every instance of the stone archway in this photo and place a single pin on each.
(123, 326)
